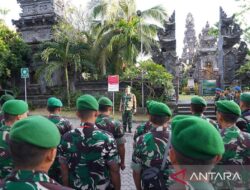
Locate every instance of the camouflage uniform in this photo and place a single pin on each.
(128, 104)
(1, 119)
(142, 129)
(214, 123)
(149, 151)
(106, 123)
(237, 147)
(244, 121)
(87, 151)
(63, 126)
(6, 164)
(25, 180)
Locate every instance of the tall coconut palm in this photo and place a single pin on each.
(121, 30)
(67, 52)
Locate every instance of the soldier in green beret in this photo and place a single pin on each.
(4, 98)
(33, 143)
(194, 142)
(144, 127)
(106, 123)
(198, 106)
(13, 110)
(244, 121)
(127, 107)
(237, 143)
(54, 107)
(88, 155)
(149, 148)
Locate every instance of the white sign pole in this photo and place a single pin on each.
(25, 90)
(113, 103)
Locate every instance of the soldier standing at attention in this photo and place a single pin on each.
(237, 143)
(33, 143)
(106, 123)
(54, 107)
(13, 110)
(88, 155)
(149, 148)
(195, 142)
(3, 99)
(144, 127)
(198, 106)
(127, 107)
(244, 121)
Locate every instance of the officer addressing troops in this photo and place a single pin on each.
(88, 155)
(54, 107)
(244, 121)
(33, 143)
(198, 106)
(106, 123)
(13, 110)
(150, 148)
(196, 147)
(127, 107)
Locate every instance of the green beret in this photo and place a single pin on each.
(4, 98)
(105, 101)
(159, 109)
(196, 138)
(149, 102)
(87, 102)
(36, 130)
(54, 102)
(15, 107)
(198, 100)
(245, 97)
(226, 106)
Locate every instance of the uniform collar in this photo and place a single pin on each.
(31, 175)
(54, 115)
(159, 128)
(87, 125)
(232, 128)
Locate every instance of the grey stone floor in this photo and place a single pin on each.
(126, 175)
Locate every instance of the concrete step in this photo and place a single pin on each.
(188, 111)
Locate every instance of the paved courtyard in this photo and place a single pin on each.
(126, 175)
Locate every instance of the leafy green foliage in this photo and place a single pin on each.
(14, 53)
(155, 76)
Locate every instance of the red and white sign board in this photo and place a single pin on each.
(113, 83)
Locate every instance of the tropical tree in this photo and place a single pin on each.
(67, 52)
(120, 30)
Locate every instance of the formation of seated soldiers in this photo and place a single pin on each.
(39, 152)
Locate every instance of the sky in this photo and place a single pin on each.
(202, 10)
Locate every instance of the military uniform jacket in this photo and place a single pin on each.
(6, 163)
(30, 180)
(87, 151)
(244, 121)
(128, 102)
(62, 124)
(114, 127)
(149, 151)
(142, 129)
(214, 123)
(237, 147)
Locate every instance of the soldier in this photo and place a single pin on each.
(217, 94)
(194, 143)
(228, 94)
(149, 148)
(244, 121)
(144, 127)
(237, 93)
(88, 155)
(198, 106)
(127, 107)
(237, 143)
(13, 111)
(54, 107)
(106, 123)
(3, 99)
(33, 143)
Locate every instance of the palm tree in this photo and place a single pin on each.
(67, 52)
(121, 30)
